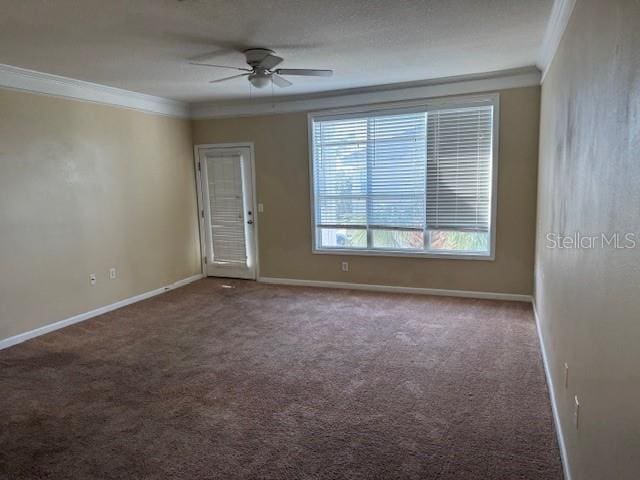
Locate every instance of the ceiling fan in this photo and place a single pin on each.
(262, 72)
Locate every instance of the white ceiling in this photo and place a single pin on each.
(143, 45)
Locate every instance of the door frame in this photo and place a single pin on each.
(196, 166)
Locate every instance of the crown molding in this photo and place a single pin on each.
(558, 21)
(463, 84)
(17, 78)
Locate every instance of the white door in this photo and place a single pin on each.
(226, 188)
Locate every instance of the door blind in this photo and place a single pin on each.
(226, 208)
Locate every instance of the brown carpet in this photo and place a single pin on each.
(267, 382)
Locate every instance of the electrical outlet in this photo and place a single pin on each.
(566, 375)
(345, 266)
(260, 208)
(112, 274)
(576, 412)
(92, 279)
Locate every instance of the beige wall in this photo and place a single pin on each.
(589, 182)
(86, 187)
(282, 171)
(83, 188)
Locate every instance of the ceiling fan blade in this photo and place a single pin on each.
(306, 72)
(228, 78)
(270, 61)
(220, 66)
(279, 81)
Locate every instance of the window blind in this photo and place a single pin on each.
(340, 164)
(397, 171)
(370, 172)
(459, 152)
(415, 170)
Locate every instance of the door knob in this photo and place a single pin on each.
(250, 222)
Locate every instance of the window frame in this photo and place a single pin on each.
(411, 106)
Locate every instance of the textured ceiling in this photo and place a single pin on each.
(143, 45)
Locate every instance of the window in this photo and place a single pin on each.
(416, 180)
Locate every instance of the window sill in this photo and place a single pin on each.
(445, 255)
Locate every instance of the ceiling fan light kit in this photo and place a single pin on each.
(260, 79)
(262, 72)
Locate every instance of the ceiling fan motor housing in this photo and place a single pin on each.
(255, 55)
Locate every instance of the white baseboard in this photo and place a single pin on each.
(552, 396)
(22, 337)
(395, 289)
